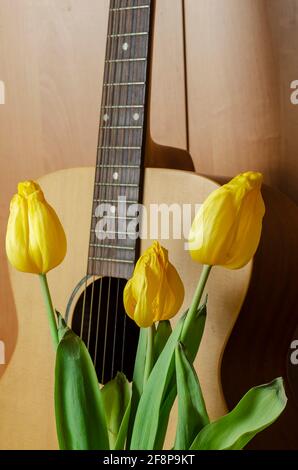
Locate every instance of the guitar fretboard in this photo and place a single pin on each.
(118, 176)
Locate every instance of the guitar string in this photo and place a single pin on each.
(111, 140)
(106, 332)
(122, 22)
(115, 330)
(102, 191)
(100, 137)
(124, 319)
(137, 20)
(93, 278)
(105, 100)
(130, 79)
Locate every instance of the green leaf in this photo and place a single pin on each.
(152, 417)
(122, 434)
(62, 326)
(192, 413)
(138, 380)
(116, 399)
(257, 410)
(80, 415)
(163, 332)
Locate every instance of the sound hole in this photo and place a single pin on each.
(110, 335)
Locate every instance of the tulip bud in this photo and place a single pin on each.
(155, 292)
(227, 229)
(35, 239)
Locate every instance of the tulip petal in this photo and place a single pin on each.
(144, 311)
(249, 231)
(35, 239)
(211, 232)
(155, 292)
(17, 237)
(227, 229)
(47, 245)
(174, 293)
(128, 300)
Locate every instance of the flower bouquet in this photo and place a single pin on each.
(135, 416)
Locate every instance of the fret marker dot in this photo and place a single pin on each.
(113, 210)
(115, 176)
(136, 117)
(125, 46)
(106, 117)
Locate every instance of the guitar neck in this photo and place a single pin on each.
(121, 144)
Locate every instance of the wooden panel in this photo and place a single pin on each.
(283, 16)
(233, 90)
(168, 117)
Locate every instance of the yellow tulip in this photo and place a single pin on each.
(155, 292)
(227, 229)
(35, 239)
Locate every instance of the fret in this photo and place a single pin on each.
(138, 7)
(127, 106)
(118, 176)
(125, 167)
(121, 127)
(114, 201)
(122, 95)
(115, 217)
(112, 157)
(130, 153)
(112, 247)
(131, 23)
(111, 260)
(137, 59)
(114, 192)
(113, 232)
(124, 139)
(104, 193)
(125, 35)
(117, 185)
(128, 117)
(119, 71)
(128, 244)
(125, 84)
(120, 148)
(134, 47)
(121, 136)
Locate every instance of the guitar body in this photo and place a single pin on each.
(26, 389)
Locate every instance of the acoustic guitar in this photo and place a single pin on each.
(88, 286)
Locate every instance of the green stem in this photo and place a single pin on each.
(197, 297)
(49, 308)
(149, 354)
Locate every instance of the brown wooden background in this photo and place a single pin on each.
(241, 57)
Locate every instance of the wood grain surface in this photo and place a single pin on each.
(241, 59)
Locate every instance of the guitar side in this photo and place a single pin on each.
(26, 389)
